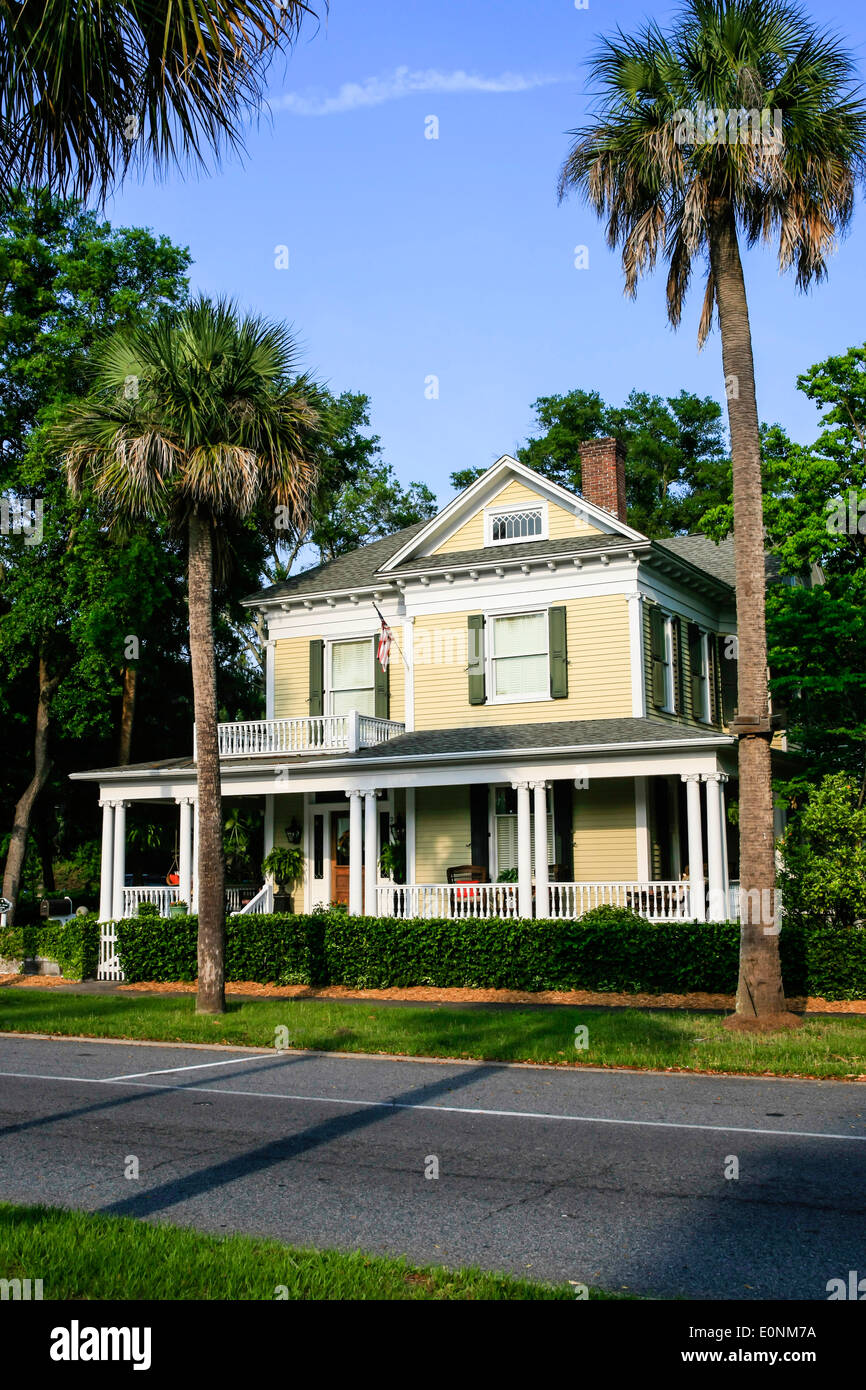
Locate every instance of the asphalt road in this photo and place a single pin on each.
(608, 1178)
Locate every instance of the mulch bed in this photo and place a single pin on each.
(423, 994)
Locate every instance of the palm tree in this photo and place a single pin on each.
(88, 88)
(198, 418)
(742, 121)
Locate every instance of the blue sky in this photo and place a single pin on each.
(412, 257)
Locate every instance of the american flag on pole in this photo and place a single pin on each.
(383, 651)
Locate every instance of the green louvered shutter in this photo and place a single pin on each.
(658, 657)
(317, 676)
(715, 679)
(556, 622)
(679, 666)
(475, 667)
(696, 667)
(381, 686)
(728, 676)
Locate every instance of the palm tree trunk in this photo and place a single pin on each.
(127, 714)
(210, 869)
(17, 851)
(760, 994)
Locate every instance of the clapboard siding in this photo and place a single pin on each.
(599, 672)
(292, 678)
(605, 837)
(443, 831)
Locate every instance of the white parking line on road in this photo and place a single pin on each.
(164, 1071)
(445, 1109)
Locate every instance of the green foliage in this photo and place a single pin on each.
(676, 464)
(286, 863)
(74, 945)
(146, 909)
(815, 518)
(824, 854)
(392, 860)
(275, 949)
(79, 873)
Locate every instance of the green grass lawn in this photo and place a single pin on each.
(656, 1039)
(77, 1256)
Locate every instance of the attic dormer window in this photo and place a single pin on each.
(504, 525)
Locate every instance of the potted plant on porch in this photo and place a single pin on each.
(286, 866)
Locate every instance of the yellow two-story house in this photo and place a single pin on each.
(547, 731)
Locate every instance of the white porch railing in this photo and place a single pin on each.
(447, 899)
(660, 900)
(263, 902)
(160, 896)
(322, 733)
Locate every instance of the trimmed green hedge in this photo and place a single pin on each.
(276, 949)
(609, 949)
(74, 945)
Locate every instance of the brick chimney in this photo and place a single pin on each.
(602, 469)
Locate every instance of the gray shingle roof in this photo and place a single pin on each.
(580, 734)
(704, 554)
(355, 570)
(566, 733)
(519, 550)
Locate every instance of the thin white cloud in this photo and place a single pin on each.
(404, 83)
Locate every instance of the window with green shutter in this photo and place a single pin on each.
(679, 665)
(475, 665)
(557, 628)
(697, 672)
(659, 658)
(714, 679)
(728, 675)
(317, 676)
(382, 688)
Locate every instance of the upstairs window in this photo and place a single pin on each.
(519, 657)
(352, 677)
(504, 525)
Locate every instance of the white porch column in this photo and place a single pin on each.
(718, 903)
(193, 907)
(106, 863)
(524, 850)
(184, 867)
(371, 852)
(696, 844)
(119, 860)
(356, 895)
(542, 890)
(642, 829)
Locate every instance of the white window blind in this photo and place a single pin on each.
(519, 656)
(352, 677)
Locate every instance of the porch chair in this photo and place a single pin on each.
(467, 873)
(463, 899)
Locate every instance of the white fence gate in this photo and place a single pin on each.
(109, 962)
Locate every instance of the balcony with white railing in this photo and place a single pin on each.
(320, 733)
